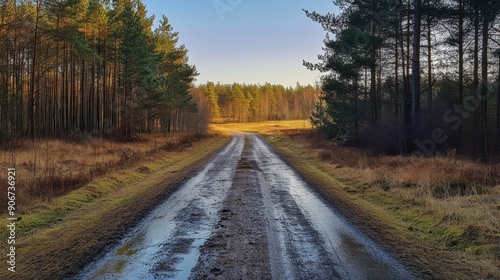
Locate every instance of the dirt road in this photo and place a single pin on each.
(246, 215)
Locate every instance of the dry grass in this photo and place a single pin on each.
(50, 168)
(267, 128)
(57, 237)
(452, 204)
(466, 191)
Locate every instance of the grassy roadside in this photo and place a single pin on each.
(55, 239)
(50, 168)
(415, 232)
(411, 206)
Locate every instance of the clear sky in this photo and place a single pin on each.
(247, 41)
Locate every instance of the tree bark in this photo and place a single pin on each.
(460, 69)
(416, 69)
(31, 94)
(483, 119)
(429, 57)
(498, 104)
(373, 68)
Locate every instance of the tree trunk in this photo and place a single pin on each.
(475, 82)
(83, 126)
(373, 68)
(460, 69)
(31, 94)
(483, 118)
(498, 105)
(429, 57)
(396, 76)
(416, 70)
(406, 77)
(356, 121)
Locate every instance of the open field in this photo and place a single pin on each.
(444, 212)
(51, 168)
(267, 128)
(94, 215)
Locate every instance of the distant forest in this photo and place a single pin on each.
(253, 103)
(405, 76)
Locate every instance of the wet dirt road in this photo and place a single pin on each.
(245, 215)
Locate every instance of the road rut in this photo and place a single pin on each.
(246, 215)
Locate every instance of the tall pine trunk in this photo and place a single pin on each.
(31, 94)
(460, 69)
(373, 67)
(416, 69)
(498, 104)
(483, 118)
(429, 56)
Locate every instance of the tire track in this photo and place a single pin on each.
(246, 215)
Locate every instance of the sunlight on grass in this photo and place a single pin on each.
(267, 128)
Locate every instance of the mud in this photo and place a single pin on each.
(246, 215)
(238, 248)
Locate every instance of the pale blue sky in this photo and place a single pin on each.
(247, 41)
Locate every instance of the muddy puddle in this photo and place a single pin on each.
(246, 215)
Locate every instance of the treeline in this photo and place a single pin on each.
(409, 76)
(91, 67)
(252, 103)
